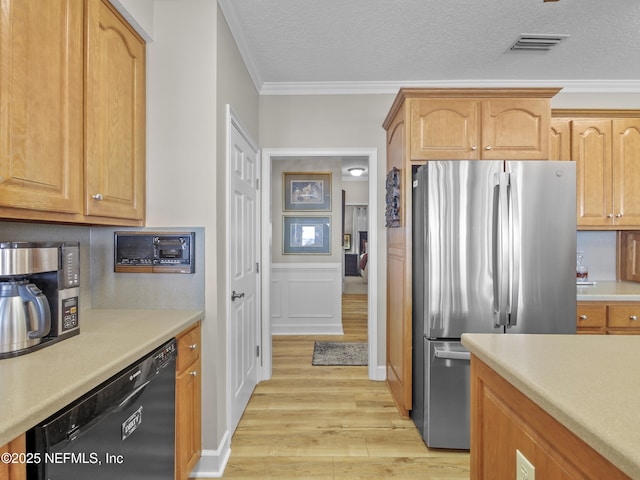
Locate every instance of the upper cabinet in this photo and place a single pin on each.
(440, 123)
(470, 124)
(72, 103)
(41, 132)
(606, 148)
(115, 116)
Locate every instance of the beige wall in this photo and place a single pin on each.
(181, 163)
(335, 121)
(277, 192)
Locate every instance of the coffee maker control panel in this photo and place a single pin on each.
(70, 257)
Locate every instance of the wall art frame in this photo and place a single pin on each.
(307, 191)
(304, 235)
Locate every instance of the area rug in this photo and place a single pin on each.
(339, 354)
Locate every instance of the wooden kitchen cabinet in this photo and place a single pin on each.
(188, 402)
(605, 146)
(72, 114)
(41, 85)
(628, 248)
(504, 420)
(450, 124)
(611, 318)
(115, 116)
(560, 139)
(13, 470)
(440, 123)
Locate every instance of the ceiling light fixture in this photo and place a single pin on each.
(356, 171)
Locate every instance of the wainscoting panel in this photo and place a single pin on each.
(306, 299)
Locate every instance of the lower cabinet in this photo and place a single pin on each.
(622, 318)
(504, 421)
(188, 402)
(13, 470)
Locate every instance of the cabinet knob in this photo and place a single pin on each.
(474, 147)
(583, 317)
(633, 318)
(194, 373)
(618, 215)
(193, 346)
(98, 197)
(488, 147)
(610, 215)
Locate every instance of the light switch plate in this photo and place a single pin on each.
(524, 468)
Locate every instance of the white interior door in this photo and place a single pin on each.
(243, 249)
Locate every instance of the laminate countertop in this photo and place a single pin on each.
(609, 292)
(588, 383)
(38, 384)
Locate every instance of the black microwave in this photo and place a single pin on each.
(154, 252)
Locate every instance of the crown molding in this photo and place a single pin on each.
(241, 42)
(377, 88)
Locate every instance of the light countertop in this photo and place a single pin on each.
(589, 383)
(609, 292)
(38, 384)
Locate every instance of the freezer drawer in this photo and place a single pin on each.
(447, 395)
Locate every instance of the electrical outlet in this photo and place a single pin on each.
(524, 468)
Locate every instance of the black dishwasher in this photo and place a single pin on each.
(124, 428)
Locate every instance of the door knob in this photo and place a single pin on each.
(235, 295)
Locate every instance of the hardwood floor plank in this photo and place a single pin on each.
(321, 422)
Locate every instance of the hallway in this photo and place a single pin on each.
(331, 422)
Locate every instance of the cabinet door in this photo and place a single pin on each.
(115, 116)
(560, 139)
(626, 172)
(445, 129)
(17, 470)
(188, 419)
(591, 149)
(41, 76)
(591, 318)
(399, 293)
(515, 129)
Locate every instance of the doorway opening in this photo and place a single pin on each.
(271, 240)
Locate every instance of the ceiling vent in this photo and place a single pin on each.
(537, 42)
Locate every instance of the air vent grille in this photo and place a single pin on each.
(537, 42)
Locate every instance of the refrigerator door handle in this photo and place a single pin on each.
(500, 250)
(451, 355)
(514, 253)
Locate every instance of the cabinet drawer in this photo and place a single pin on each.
(590, 315)
(188, 347)
(624, 316)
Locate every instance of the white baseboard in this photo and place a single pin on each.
(213, 462)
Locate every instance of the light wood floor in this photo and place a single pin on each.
(331, 422)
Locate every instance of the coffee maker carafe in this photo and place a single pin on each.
(25, 316)
(39, 289)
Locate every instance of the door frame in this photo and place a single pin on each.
(233, 122)
(269, 155)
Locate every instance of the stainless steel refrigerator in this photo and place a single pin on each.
(494, 249)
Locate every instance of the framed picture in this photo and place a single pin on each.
(307, 191)
(306, 235)
(347, 241)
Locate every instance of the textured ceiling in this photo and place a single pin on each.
(325, 43)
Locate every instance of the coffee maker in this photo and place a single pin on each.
(39, 294)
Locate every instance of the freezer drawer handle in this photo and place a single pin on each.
(451, 355)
